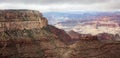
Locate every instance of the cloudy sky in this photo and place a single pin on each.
(62, 5)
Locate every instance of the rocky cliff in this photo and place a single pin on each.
(21, 19)
(26, 34)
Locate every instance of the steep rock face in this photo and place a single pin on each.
(29, 38)
(21, 19)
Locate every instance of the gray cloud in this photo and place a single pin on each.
(113, 5)
(55, 5)
(73, 1)
(54, 1)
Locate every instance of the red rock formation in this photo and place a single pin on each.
(62, 35)
(74, 35)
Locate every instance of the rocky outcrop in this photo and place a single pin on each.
(21, 19)
(20, 15)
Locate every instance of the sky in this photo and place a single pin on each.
(62, 5)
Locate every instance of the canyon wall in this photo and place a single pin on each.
(21, 19)
(26, 34)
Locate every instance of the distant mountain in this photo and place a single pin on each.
(67, 16)
(83, 22)
(76, 16)
(100, 25)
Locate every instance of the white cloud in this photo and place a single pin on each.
(97, 5)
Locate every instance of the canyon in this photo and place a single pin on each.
(27, 34)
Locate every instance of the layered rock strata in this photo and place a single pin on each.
(21, 19)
